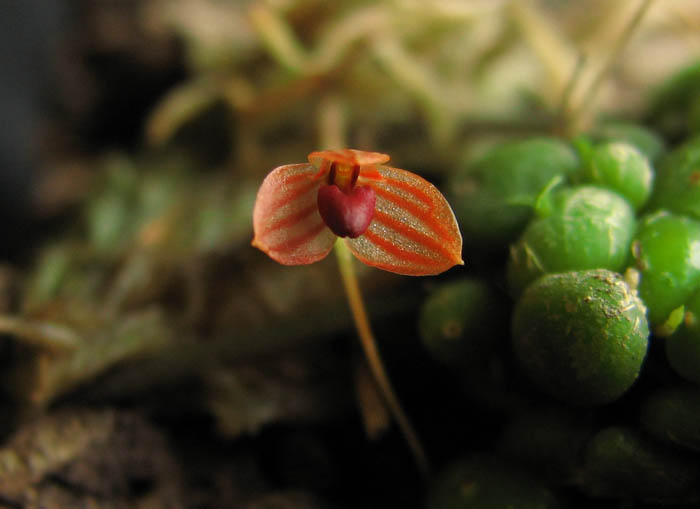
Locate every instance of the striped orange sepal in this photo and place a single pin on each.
(412, 231)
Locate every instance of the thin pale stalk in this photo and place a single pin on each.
(576, 118)
(540, 32)
(565, 100)
(369, 345)
(44, 335)
(278, 37)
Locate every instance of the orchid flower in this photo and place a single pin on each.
(389, 218)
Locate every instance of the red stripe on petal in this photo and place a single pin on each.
(398, 251)
(414, 231)
(294, 242)
(368, 174)
(291, 219)
(286, 222)
(293, 179)
(292, 194)
(430, 243)
(427, 216)
(411, 189)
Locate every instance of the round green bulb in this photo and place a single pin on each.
(666, 252)
(581, 336)
(579, 228)
(623, 168)
(494, 198)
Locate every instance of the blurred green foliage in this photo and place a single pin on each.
(145, 294)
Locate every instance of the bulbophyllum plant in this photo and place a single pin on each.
(389, 218)
(386, 217)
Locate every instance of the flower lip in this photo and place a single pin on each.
(347, 214)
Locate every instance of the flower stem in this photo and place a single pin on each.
(369, 345)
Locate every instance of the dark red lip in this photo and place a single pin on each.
(347, 215)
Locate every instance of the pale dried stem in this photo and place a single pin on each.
(278, 37)
(553, 51)
(46, 336)
(579, 111)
